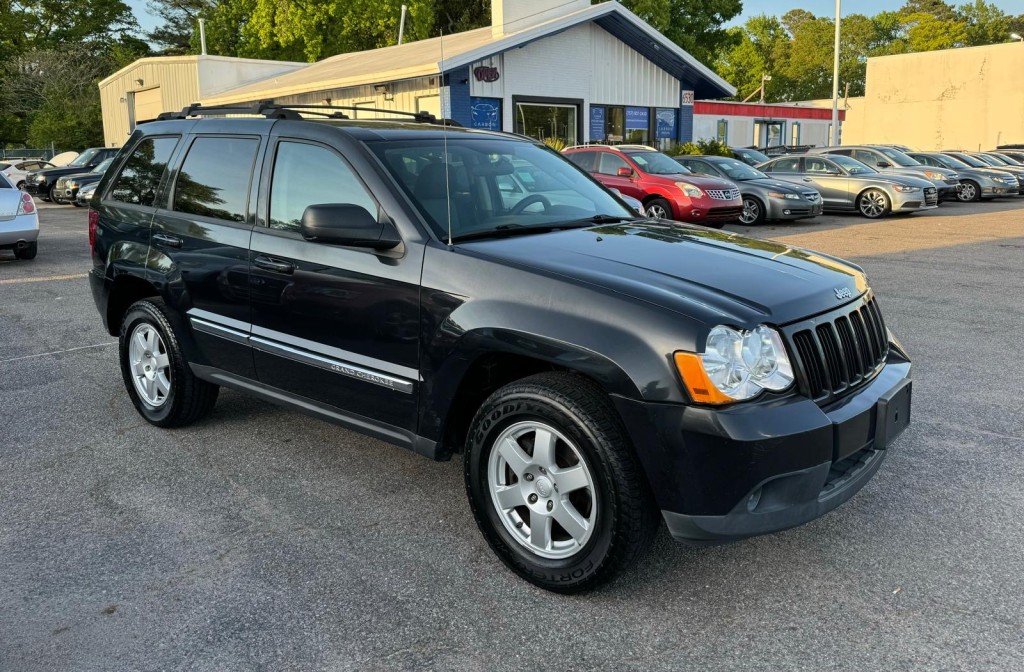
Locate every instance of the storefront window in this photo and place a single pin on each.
(547, 121)
(723, 131)
(638, 125)
(616, 126)
(795, 130)
(769, 133)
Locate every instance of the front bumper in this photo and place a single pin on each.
(36, 188)
(784, 209)
(725, 474)
(912, 201)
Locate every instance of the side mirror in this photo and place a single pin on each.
(347, 224)
(625, 171)
(884, 164)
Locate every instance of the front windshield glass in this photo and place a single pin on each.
(998, 159)
(737, 170)
(898, 157)
(752, 155)
(103, 165)
(948, 161)
(495, 184)
(1008, 160)
(84, 158)
(971, 161)
(851, 166)
(987, 159)
(656, 163)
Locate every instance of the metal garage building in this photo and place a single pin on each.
(572, 71)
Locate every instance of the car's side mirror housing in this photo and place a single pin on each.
(884, 164)
(625, 171)
(347, 224)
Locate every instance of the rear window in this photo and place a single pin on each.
(790, 165)
(214, 178)
(139, 178)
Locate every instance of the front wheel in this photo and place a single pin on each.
(753, 211)
(968, 192)
(874, 203)
(156, 374)
(554, 484)
(658, 208)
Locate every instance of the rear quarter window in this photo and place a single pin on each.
(142, 172)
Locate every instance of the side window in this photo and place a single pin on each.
(816, 165)
(307, 175)
(790, 165)
(585, 160)
(865, 157)
(610, 164)
(139, 178)
(701, 168)
(214, 179)
(842, 152)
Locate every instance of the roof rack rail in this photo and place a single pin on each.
(588, 144)
(647, 148)
(272, 110)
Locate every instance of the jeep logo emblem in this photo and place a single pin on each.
(843, 292)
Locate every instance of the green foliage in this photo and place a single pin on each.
(712, 147)
(557, 144)
(685, 149)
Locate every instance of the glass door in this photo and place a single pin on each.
(547, 121)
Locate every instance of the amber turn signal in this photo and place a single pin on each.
(700, 387)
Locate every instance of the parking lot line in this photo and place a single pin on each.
(57, 352)
(48, 278)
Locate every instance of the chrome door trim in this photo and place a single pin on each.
(331, 364)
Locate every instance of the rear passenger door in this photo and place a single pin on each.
(200, 243)
(829, 180)
(336, 325)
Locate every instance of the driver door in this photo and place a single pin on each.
(828, 179)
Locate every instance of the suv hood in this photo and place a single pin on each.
(711, 276)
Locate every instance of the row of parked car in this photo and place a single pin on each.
(72, 183)
(751, 188)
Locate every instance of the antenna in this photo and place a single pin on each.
(444, 137)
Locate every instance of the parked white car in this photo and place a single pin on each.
(19, 168)
(19, 221)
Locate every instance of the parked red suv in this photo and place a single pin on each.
(667, 189)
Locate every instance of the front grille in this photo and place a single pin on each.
(723, 194)
(931, 196)
(724, 214)
(812, 196)
(840, 351)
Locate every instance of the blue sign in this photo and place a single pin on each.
(638, 118)
(596, 123)
(486, 113)
(665, 122)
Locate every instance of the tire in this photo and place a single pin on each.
(969, 191)
(754, 212)
(591, 451)
(179, 398)
(76, 203)
(28, 252)
(659, 208)
(51, 194)
(874, 203)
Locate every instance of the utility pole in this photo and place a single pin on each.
(835, 83)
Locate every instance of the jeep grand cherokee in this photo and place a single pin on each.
(599, 372)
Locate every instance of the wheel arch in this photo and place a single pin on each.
(125, 289)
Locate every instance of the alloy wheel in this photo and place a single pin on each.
(150, 365)
(872, 203)
(751, 211)
(542, 490)
(967, 192)
(656, 211)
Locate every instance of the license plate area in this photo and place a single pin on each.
(892, 415)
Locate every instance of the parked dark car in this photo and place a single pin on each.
(764, 199)
(598, 371)
(67, 187)
(975, 183)
(44, 182)
(978, 160)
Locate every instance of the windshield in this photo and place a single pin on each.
(84, 158)
(1008, 160)
(751, 155)
(656, 163)
(495, 184)
(947, 161)
(851, 166)
(103, 165)
(971, 161)
(898, 157)
(737, 170)
(987, 159)
(999, 161)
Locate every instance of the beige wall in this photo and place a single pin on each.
(956, 98)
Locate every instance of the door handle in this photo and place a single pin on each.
(808, 179)
(164, 239)
(273, 265)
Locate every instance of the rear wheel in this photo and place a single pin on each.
(658, 208)
(156, 374)
(51, 195)
(27, 252)
(554, 484)
(969, 191)
(753, 211)
(874, 203)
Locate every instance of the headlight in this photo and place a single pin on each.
(932, 175)
(40, 178)
(905, 187)
(690, 190)
(779, 194)
(736, 365)
(72, 185)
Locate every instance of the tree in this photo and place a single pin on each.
(179, 22)
(984, 23)
(762, 48)
(695, 25)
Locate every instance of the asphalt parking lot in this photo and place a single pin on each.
(262, 539)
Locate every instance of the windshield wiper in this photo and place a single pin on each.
(506, 230)
(597, 219)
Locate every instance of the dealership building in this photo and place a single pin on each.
(572, 71)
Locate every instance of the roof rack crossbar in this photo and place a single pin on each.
(272, 110)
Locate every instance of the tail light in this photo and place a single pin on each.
(94, 220)
(27, 206)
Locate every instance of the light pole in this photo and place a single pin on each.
(835, 83)
(764, 78)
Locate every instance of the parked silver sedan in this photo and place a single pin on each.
(975, 183)
(848, 185)
(891, 161)
(764, 198)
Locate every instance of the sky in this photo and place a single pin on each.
(750, 8)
